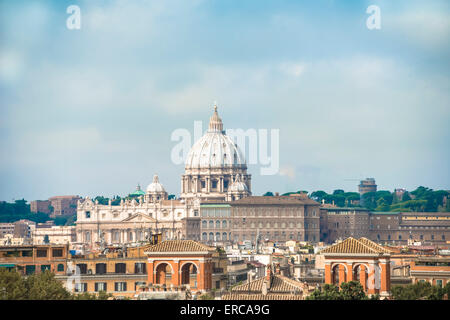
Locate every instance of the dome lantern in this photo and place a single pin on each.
(215, 123)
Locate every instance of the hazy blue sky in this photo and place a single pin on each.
(91, 111)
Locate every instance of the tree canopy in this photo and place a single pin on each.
(41, 286)
(352, 290)
(420, 290)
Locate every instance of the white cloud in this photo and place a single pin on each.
(428, 29)
(288, 171)
(11, 66)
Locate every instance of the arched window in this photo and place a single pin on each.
(224, 236)
(211, 224)
(211, 236)
(204, 224)
(224, 224)
(217, 236)
(217, 224)
(204, 236)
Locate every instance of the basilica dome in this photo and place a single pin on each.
(214, 149)
(155, 186)
(212, 166)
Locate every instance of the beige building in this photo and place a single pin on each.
(54, 235)
(276, 218)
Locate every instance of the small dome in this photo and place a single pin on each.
(138, 192)
(238, 185)
(155, 186)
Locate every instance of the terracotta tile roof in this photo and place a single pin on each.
(275, 200)
(260, 296)
(374, 245)
(279, 284)
(352, 246)
(178, 246)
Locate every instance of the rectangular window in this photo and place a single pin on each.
(120, 286)
(439, 283)
(88, 214)
(100, 268)
(45, 267)
(100, 286)
(82, 268)
(139, 268)
(27, 253)
(41, 253)
(30, 269)
(80, 287)
(121, 268)
(57, 253)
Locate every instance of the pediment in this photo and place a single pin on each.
(139, 217)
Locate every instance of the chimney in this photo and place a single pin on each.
(277, 268)
(268, 273)
(264, 288)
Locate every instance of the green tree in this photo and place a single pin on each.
(328, 292)
(268, 194)
(419, 290)
(44, 286)
(319, 195)
(102, 295)
(206, 296)
(406, 197)
(41, 286)
(12, 285)
(352, 290)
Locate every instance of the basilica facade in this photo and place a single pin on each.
(215, 170)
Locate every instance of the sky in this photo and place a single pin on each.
(91, 111)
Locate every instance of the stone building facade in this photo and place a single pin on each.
(384, 227)
(399, 227)
(216, 223)
(278, 218)
(340, 223)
